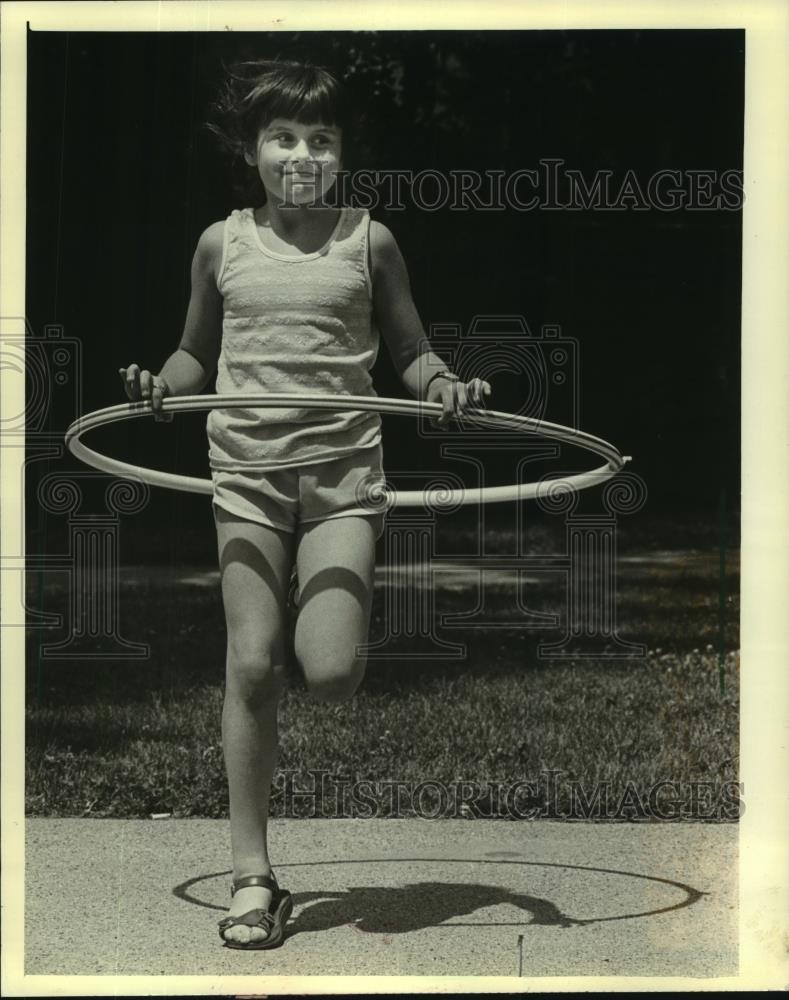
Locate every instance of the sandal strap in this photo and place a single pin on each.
(254, 918)
(265, 881)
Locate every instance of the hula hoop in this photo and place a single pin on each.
(411, 498)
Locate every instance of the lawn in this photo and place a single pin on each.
(502, 731)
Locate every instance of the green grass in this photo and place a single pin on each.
(129, 739)
(660, 720)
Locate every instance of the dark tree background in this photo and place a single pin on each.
(123, 176)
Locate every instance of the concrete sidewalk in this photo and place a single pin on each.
(387, 898)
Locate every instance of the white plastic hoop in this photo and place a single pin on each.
(406, 407)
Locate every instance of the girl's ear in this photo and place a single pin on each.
(252, 147)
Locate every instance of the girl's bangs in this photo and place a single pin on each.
(316, 106)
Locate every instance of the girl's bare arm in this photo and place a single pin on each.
(396, 315)
(188, 369)
(401, 328)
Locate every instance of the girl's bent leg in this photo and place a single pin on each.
(336, 568)
(255, 563)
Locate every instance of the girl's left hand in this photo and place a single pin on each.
(456, 397)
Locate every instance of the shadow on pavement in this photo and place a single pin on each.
(418, 905)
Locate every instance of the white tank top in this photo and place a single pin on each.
(298, 325)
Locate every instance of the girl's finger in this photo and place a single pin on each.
(450, 400)
(146, 384)
(447, 393)
(133, 382)
(483, 389)
(478, 390)
(157, 396)
(130, 383)
(461, 401)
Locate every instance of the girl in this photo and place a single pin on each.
(290, 297)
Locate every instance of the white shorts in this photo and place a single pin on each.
(284, 498)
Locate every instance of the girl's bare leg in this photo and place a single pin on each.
(255, 561)
(336, 568)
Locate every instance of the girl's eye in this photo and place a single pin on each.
(317, 140)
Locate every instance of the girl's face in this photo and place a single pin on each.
(297, 163)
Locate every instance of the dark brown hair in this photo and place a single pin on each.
(255, 93)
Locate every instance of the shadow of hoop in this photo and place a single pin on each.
(691, 895)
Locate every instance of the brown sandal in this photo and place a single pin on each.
(272, 920)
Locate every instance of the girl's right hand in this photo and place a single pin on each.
(141, 384)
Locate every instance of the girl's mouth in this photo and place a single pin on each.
(299, 173)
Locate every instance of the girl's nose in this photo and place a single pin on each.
(301, 151)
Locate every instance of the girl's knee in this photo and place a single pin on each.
(255, 672)
(335, 682)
